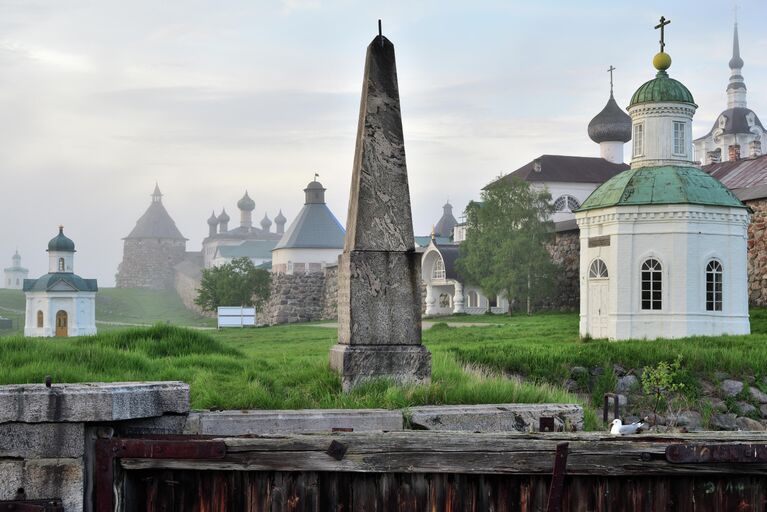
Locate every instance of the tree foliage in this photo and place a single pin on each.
(237, 283)
(505, 248)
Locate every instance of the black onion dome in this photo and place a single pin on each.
(265, 222)
(280, 218)
(223, 217)
(611, 124)
(212, 220)
(61, 243)
(246, 203)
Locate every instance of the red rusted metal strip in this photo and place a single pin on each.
(51, 505)
(712, 453)
(557, 487)
(108, 450)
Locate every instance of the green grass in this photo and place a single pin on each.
(545, 347)
(282, 367)
(117, 306)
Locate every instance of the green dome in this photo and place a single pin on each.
(668, 184)
(662, 88)
(61, 243)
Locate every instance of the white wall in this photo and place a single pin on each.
(306, 256)
(684, 238)
(80, 308)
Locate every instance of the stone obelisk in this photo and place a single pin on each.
(379, 281)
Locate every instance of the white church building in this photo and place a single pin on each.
(663, 244)
(313, 241)
(13, 276)
(60, 303)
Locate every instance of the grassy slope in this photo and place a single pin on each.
(278, 367)
(119, 305)
(545, 347)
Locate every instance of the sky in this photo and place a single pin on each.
(100, 99)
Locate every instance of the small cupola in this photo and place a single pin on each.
(315, 192)
(611, 128)
(60, 243)
(266, 223)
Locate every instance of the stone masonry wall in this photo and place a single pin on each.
(187, 282)
(330, 294)
(565, 252)
(294, 298)
(149, 263)
(757, 253)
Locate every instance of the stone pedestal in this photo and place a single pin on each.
(379, 282)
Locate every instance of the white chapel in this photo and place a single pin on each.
(663, 244)
(60, 303)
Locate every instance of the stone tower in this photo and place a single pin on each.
(379, 284)
(152, 250)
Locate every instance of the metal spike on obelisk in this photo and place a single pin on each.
(379, 281)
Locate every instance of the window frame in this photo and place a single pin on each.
(569, 204)
(438, 272)
(637, 139)
(597, 272)
(40, 318)
(680, 140)
(714, 295)
(62, 265)
(652, 285)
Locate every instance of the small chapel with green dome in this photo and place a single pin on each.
(663, 244)
(60, 303)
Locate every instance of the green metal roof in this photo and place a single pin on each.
(662, 88)
(259, 249)
(669, 184)
(423, 241)
(60, 282)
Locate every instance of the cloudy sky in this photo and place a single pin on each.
(101, 98)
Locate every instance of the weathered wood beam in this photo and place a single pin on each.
(432, 452)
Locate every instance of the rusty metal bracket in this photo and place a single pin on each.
(606, 408)
(554, 503)
(165, 447)
(546, 424)
(51, 505)
(712, 453)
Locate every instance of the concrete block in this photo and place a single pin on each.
(42, 440)
(236, 423)
(160, 425)
(494, 418)
(43, 479)
(32, 403)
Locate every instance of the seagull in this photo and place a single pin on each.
(619, 429)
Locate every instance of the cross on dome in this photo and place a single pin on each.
(661, 26)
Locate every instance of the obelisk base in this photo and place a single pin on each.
(402, 364)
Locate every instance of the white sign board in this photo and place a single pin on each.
(236, 317)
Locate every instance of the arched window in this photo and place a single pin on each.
(566, 203)
(438, 272)
(598, 270)
(472, 299)
(651, 277)
(61, 264)
(714, 286)
(39, 318)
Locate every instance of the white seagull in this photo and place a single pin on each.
(619, 429)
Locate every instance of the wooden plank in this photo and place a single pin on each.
(430, 452)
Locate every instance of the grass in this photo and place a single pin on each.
(545, 347)
(274, 368)
(116, 306)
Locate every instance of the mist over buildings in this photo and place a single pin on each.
(100, 100)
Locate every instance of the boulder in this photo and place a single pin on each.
(626, 384)
(691, 420)
(758, 395)
(731, 387)
(763, 410)
(723, 422)
(746, 408)
(744, 423)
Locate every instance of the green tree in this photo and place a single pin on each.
(237, 283)
(505, 248)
